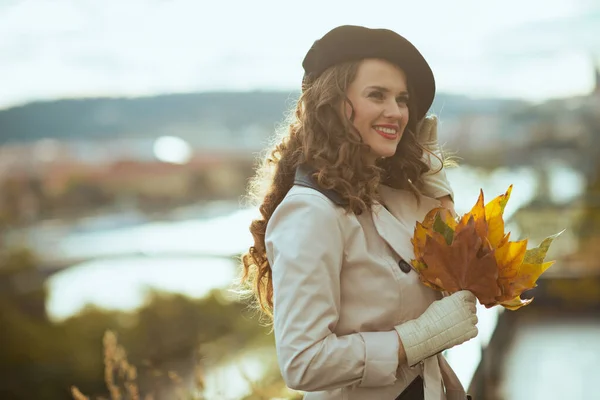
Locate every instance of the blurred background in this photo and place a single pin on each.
(128, 133)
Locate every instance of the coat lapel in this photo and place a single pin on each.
(396, 224)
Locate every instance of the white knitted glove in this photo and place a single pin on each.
(445, 324)
(435, 182)
(427, 134)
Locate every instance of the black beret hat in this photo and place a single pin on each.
(352, 43)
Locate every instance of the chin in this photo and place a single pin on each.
(386, 153)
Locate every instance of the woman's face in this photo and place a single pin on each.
(380, 99)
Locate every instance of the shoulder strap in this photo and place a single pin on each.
(304, 177)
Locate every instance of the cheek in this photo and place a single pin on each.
(366, 113)
(405, 117)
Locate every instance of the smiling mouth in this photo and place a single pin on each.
(388, 133)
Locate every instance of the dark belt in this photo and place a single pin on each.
(415, 391)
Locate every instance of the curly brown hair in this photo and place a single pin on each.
(320, 136)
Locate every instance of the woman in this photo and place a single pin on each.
(331, 253)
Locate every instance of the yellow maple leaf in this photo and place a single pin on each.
(525, 276)
(509, 257)
(516, 303)
(426, 228)
(478, 214)
(449, 257)
(494, 212)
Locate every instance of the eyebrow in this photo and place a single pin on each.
(386, 90)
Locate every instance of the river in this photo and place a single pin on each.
(121, 282)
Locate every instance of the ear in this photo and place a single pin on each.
(347, 109)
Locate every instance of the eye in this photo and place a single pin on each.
(376, 95)
(402, 99)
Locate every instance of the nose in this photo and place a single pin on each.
(393, 110)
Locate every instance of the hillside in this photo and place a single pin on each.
(186, 114)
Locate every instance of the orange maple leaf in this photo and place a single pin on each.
(467, 263)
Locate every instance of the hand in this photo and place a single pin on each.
(427, 132)
(427, 137)
(446, 323)
(435, 183)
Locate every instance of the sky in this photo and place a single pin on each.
(530, 49)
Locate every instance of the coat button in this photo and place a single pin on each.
(404, 266)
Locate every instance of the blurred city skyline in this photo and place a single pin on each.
(533, 50)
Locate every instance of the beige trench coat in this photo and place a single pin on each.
(338, 292)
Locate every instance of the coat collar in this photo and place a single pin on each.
(304, 177)
(395, 223)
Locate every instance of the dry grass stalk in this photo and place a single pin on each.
(117, 365)
(110, 356)
(77, 395)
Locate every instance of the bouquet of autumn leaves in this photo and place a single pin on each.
(472, 252)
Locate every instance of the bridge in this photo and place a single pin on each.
(32, 279)
(51, 266)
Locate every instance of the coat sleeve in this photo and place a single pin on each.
(305, 249)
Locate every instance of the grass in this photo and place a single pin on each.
(122, 381)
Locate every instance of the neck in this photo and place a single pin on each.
(370, 159)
